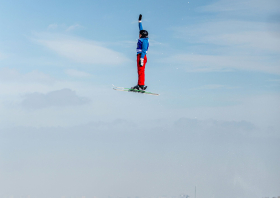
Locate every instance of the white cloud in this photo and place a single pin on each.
(274, 80)
(210, 63)
(76, 73)
(247, 7)
(3, 56)
(13, 75)
(221, 158)
(14, 83)
(108, 104)
(58, 98)
(64, 27)
(211, 86)
(260, 41)
(52, 26)
(73, 27)
(81, 50)
(233, 45)
(231, 41)
(238, 35)
(186, 124)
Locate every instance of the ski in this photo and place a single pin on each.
(134, 90)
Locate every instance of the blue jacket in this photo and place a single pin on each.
(142, 44)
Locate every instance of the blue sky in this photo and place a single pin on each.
(216, 64)
(206, 53)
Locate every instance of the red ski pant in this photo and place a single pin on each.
(141, 70)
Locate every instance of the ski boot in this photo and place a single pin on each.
(142, 87)
(136, 87)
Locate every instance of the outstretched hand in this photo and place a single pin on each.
(140, 17)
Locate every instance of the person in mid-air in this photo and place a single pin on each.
(142, 49)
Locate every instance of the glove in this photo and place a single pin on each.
(141, 62)
(140, 18)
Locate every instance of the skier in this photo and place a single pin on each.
(142, 48)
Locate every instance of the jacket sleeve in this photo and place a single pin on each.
(144, 48)
(140, 26)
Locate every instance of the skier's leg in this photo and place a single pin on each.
(138, 65)
(141, 72)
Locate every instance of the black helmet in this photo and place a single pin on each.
(144, 33)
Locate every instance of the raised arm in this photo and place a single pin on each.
(140, 22)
